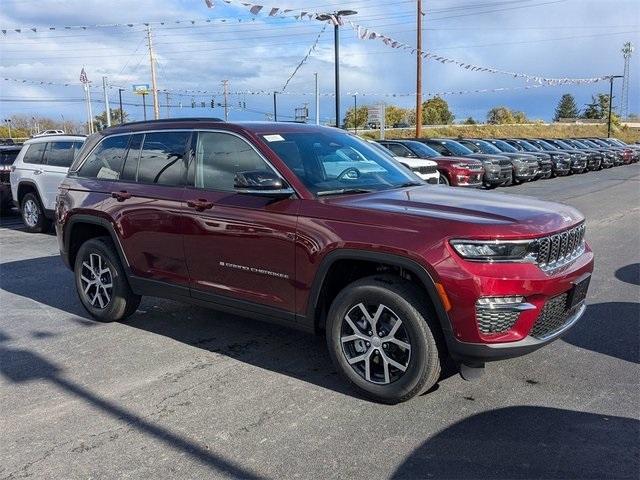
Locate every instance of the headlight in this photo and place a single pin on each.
(496, 250)
(461, 165)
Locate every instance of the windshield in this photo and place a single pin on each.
(504, 146)
(589, 143)
(456, 148)
(544, 145)
(486, 147)
(420, 149)
(471, 146)
(564, 145)
(382, 149)
(528, 147)
(333, 162)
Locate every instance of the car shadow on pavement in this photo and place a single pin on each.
(629, 274)
(610, 328)
(529, 442)
(21, 366)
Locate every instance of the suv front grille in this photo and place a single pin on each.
(425, 170)
(558, 250)
(476, 167)
(553, 317)
(495, 321)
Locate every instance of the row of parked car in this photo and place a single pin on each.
(473, 162)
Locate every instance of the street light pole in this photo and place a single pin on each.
(275, 106)
(335, 18)
(355, 112)
(120, 90)
(611, 102)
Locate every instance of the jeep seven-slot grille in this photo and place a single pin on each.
(553, 317)
(558, 250)
(425, 170)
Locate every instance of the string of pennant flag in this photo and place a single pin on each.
(364, 33)
(302, 94)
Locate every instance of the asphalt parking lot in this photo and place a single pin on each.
(180, 391)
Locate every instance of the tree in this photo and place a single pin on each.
(598, 108)
(519, 117)
(566, 108)
(117, 116)
(470, 121)
(395, 115)
(499, 116)
(357, 118)
(435, 111)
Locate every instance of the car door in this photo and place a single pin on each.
(237, 246)
(140, 179)
(58, 156)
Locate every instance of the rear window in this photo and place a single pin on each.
(7, 157)
(61, 154)
(34, 153)
(162, 158)
(106, 159)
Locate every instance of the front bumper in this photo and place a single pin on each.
(528, 172)
(578, 166)
(431, 178)
(497, 176)
(465, 282)
(467, 178)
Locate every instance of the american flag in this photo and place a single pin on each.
(83, 76)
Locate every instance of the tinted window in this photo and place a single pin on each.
(399, 150)
(219, 156)
(61, 154)
(162, 158)
(34, 153)
(106, 159)
(7, 157)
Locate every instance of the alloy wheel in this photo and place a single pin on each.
(375, 343)
(30, 213)
(96, 280)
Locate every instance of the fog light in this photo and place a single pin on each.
(513, 303)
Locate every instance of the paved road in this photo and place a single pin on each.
(180, 391)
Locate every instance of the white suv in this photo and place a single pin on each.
(36, 173)
(425, 169)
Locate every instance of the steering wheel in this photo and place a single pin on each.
(355, 174)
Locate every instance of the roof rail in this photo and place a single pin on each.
(171, 120)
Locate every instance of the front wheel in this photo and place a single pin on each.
(381, 338)
(443, 180)
(101, 282)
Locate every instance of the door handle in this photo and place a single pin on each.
(37, 172)
(200, 204)
(121, 196)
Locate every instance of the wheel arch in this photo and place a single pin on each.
(317, 301)
(80, 228)
(27, 186)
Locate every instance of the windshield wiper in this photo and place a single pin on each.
(341, 191)
(410, 184)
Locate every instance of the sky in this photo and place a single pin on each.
(549, 38)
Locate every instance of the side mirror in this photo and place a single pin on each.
(261, 182)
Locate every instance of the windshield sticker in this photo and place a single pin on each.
(273, 138)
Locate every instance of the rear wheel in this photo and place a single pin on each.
(33, 214)
(101, 282)
(380, 338)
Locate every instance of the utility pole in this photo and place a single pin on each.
(168, 106)
(106, 100)
(225, 85)
(419, 73)
(611, 102)
(355, 112)
(120, 90)
(87, 92)
(154, 85)
(317, 101)
(275, 106)
(144, 105)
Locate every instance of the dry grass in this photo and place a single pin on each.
(507, 131)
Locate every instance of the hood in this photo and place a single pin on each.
(523, 157)
(483, 157)
(416, 162)
(510, 214)
(453, 160)
(540, 155)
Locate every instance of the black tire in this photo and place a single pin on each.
(122, 301)
(406, 302)
(32, 214)
(443, 180)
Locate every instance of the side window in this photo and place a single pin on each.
(35, 153)
(59, 154)
(219, 156)
(163, 158)
(438, 147)
(106, 159)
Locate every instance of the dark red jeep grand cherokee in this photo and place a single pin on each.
(313, 228)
